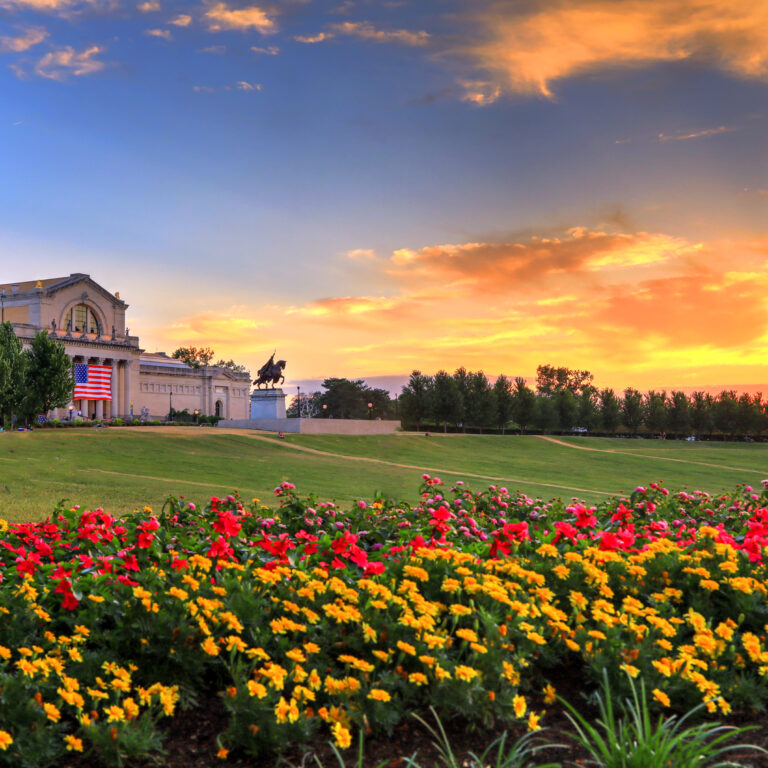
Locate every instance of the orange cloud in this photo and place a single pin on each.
(526, 48)
(30, 37)
(165, 34)
(182, 20)
(318, 38)
(498, 267)
(60, 64)
(696, 134)
(367, 31)
(222, 17)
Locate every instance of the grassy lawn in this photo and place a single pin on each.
(124, 469)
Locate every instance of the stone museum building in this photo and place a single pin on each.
(124, 379)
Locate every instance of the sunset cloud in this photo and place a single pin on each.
(367, 31)
(53, 6)
(221, 17)
(497, 267)
(149, 7)
(182, 20)
(61, 63)
(318, 38)
(30, 37)
(525, 48)
(165, 34)
(696, 134)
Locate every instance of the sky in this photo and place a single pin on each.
(375, 186)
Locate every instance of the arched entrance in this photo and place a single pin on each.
(219, 408)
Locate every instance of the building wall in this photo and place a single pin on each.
(136, 383)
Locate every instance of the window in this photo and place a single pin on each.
(83, 319)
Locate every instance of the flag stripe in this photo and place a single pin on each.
(93, 382)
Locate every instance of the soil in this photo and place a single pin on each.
(191, 741)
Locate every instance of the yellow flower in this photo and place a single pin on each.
(460, 610)
(630, 670)
(115, 714)
(533, 722)
(341, 735)
(550, 695)
(5, 740)
(73, 743)
(256, 689)
(417, 678)
(52, 712)
(519, 705)
(466, 673)
(661, 697)
(467, 634)
(222, 753)
(378, 694)
(210, 647)
(406, 648)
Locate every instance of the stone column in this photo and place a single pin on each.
(114, 409)
(127, 385)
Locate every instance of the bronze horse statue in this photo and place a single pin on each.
(270, 373)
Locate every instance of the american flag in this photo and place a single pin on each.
(93, 382)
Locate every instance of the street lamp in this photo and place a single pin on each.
(170, 406)
(298, 401)
(370, 410)
(325, 410)
(71, 408)
(197, 413)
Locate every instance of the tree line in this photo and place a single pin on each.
(566, 399)
(344, 399)
(32, 381)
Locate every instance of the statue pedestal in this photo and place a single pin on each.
(268, 404)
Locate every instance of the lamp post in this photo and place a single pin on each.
(71, 408)
(370, 410)
(298, 401)
(325, 410)
(197, 413)
(170, 406)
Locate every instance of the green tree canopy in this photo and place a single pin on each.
(12, 370)
(194, 357)
(48, 376)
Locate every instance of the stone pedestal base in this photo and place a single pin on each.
(268, 404)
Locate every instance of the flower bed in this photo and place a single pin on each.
(314, 622)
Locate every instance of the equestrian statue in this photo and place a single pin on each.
(270, 373)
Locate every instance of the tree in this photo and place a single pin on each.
(461, 377)
(726, 406)
(446, 399)
(747, 414)
(345, 399)
(230, 364)
(587, 414)
(567, 408)
(505, 401)
(550, 379)
(480, 408)
(194, 357)
(311, 406)
(547, 417)
(523, 404)
(610, 410)
(48, 380)
(632, 409)
(679, 413)
(702, 412)
(656, 411)
(415, 400)
(12, 365)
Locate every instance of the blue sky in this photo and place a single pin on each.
(377, 186)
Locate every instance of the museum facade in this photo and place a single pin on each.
(90, 322)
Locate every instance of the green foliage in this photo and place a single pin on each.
(505, 401)
(12, 371)
(498, 754)
(416, 399)
(48, 380)
(194, 357)
(635, 741)
(632, 409)
(550, 379)
(524, 404)
(446, 400)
